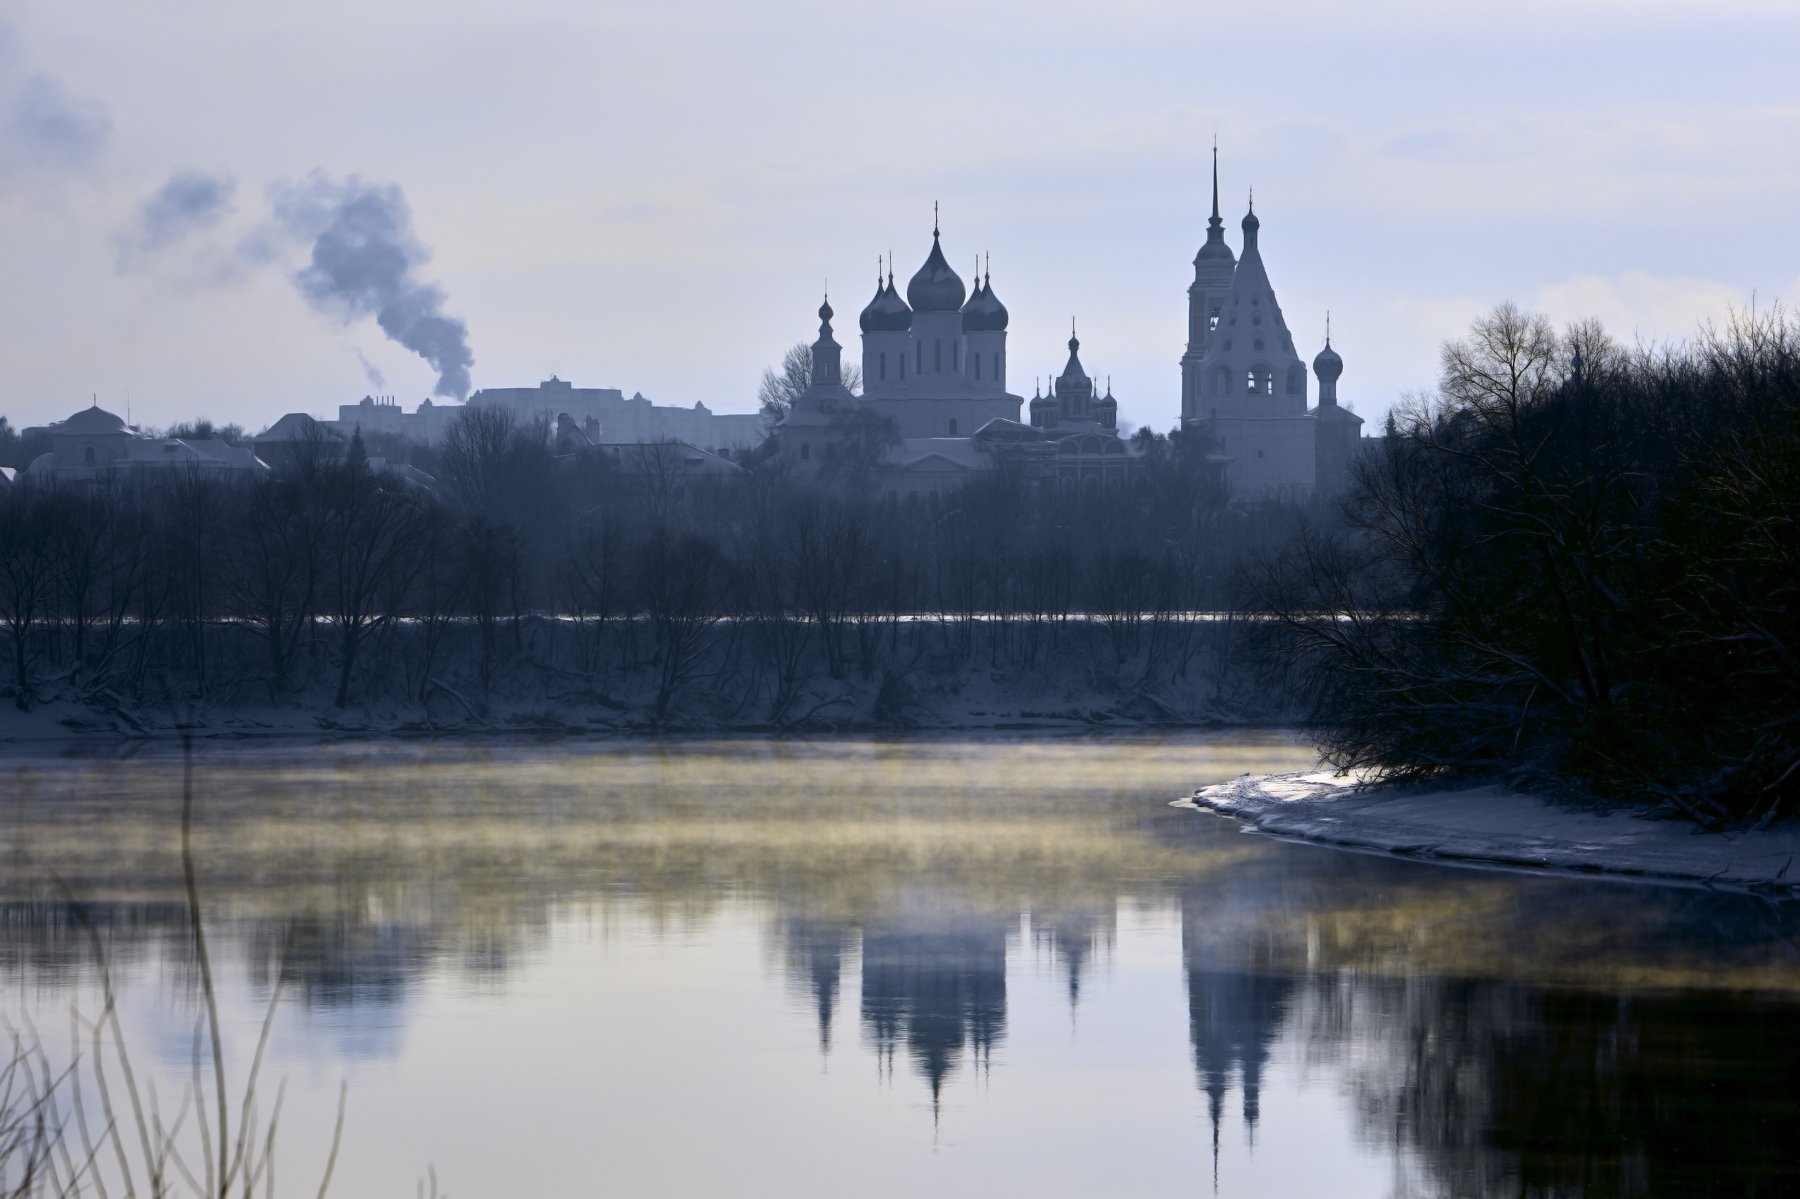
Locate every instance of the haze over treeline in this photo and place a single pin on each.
(613, 569)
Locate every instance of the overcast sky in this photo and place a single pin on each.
(651, 196)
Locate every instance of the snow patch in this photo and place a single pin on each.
(1494, 826)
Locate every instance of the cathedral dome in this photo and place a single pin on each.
(935, 287)
(984, 313)
(91, 422)
(887, 312)
(1328, 366)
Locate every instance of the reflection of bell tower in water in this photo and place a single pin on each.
(1237, 995)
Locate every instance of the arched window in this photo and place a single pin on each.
(919, 356)
(953, 426)
(1259, 380)
(87, 455)
(937, 355)
(1212, 322)
(996, 366)
(977, 358)
(956, 355)
(884, 367)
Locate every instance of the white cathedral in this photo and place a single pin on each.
(934, 365)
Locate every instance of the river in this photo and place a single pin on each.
(994, 965)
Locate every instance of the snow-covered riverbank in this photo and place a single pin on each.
(1494, 826)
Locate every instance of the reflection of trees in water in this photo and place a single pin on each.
(45, 942)
(1498, 1089)
(935, 978)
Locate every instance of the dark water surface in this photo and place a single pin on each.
(1001, 966)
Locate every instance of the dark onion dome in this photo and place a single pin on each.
(935, 288)
(984, 313)
(887, 312)
(1328, 366)
(1251, 224)
(1073, 369)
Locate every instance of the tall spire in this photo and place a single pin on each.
(934, 218)
(1217, 221)
(1215, 249)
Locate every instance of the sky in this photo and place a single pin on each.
(653, 197)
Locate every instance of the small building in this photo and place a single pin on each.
(94, 443)
(297, 442)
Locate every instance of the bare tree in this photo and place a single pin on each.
(781, 386)
(30, 571)
(370, 546)
(681, 580)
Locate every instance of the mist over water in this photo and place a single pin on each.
(847, 966)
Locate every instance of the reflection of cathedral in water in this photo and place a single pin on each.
(933, 977)
(937, 982)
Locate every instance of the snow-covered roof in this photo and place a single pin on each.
(642, 454)
(938, 453)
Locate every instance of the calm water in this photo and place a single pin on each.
(848, 967)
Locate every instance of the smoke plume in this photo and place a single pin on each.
(364, 261)
(371, 371)
(45, 129)
(189, 203)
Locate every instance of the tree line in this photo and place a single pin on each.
(333, 576)
(1572, 565)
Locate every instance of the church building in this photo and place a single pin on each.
(1243, 382)
(935, 362)
(934, 367)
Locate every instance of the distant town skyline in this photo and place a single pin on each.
(654, 200)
